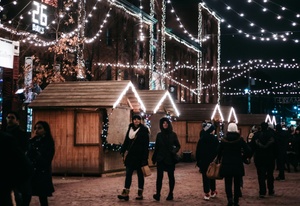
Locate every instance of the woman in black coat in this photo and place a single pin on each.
(205, 153)
(232, 168)
(40, 153)
(136, 146)
(166, 147)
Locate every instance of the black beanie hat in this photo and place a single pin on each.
(136, 116)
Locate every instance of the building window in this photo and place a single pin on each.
(108, 72)
(108, 37)
(141, 50)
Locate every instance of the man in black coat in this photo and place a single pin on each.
(13, 167)
(264, 147)
(13, 128)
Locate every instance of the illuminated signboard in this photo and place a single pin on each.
(39, 17)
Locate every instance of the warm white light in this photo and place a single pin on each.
(232, 112)
(130, 85)
(215, 111)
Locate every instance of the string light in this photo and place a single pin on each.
(283, 35)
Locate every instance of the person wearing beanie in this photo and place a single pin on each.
(135, 145)
(264, 147)
(166, 148)
(230, 152)
(206, 151)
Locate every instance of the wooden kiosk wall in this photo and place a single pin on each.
(77, 147)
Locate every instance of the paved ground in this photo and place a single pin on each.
(94, 191)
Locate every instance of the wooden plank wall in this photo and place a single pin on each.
(188, 135)
(69, 159)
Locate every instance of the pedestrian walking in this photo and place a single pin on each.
(13, 128)
(206, 151)
(265, 152)
(135, 155)
(166, 148)
(231, 152)
(14, 168)
(41, 152)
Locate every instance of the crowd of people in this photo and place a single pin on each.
(28, 171)
(26, 162)
(270, 147)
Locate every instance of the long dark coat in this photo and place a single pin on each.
(137, 148)
(40, 152)
(206, 150)
(20, 135)
(264, 147)
(166, 146)
(230, 152)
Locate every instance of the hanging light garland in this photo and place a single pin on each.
(283, 35)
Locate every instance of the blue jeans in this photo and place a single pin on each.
(128, 178)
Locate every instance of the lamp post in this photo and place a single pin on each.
(247, 91)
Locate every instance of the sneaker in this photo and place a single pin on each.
(261, 196)
(213, 193)
(206, 196)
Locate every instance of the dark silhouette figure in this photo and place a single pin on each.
(166, 147)
(40, 152)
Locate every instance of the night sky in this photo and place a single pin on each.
(235, 46)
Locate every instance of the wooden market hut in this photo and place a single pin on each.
(76, 112)
(158, 103)
(247, 121)
(189, 124)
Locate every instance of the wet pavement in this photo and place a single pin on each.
(94, 191)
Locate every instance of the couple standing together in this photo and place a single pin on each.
(136, 146)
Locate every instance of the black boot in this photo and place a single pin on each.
(140, 194)
(230, 202)
(124, 195)
(156, 197)
(170, 196)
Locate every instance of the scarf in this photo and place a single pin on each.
(132, 133)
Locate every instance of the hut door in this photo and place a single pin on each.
(87, 141)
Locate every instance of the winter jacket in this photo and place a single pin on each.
(264, 147)
(20, 135)
(40, 152)
(230, 152)
(206, 150)
(137, 149)
(166, 146)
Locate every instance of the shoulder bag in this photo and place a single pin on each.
(213, 171)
